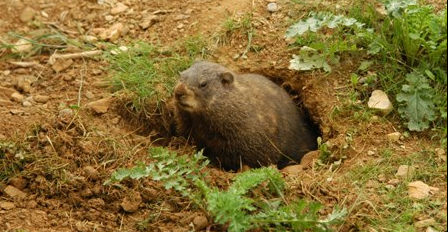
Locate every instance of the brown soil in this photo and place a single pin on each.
(74, 152)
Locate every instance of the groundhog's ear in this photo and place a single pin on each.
(226, 78)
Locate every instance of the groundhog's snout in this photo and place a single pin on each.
(179, 91)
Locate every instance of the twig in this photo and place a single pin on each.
(82, 72)
(23, 64)
(56, 56)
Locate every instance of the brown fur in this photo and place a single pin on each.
(239, 119)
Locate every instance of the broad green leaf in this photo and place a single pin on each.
(416, 106)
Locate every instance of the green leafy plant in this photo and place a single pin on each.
(315, 53)
(409, 39)
(417, 105)
(253, 200)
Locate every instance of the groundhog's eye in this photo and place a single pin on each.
(202, 85)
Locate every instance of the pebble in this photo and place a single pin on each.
(394, 137)
(404, 172)
(89, 95)
(200, 223)
(272, 7)
(7, 205)
(27, 14)
(109, 17)
(148, 21)
(21, 46)
(61, 65)
(17, 97)
(41, 98)
(91, 173)
(114, 32)
(27, 104)
(101, 106)
(380, 101)
(24, 84)
(89, 38)
(418, 190)
(119, 8)
(14, 192)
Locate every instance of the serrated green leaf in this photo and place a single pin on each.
(416, 106)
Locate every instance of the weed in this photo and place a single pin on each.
(396, 211)
(233, 207)
(411, 41)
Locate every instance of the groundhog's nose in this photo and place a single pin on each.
(179, 91)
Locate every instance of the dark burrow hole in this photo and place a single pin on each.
(159, 127)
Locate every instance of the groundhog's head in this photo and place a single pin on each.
(201, 85)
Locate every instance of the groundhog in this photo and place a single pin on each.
(239, 119)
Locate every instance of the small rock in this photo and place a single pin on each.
(7, 205)
(119, 8)
(27, 14)
(17, 97)
(14, 192)
(89, 95)
(67, 78)
(22, 45)
(89, 38)
(394, 137)
(418, 190)
(272, 7)
(430, 229)
(24, 84)
(113, 33)
(380, 101)
(61, 64)
(425, 223)
(369, 152)
(91, 173)
(292, 170)
(404, 172)
(109, 17)
(101, 106)
(16, 112)
(97, 71)
(374, 118)
(130, 204)
(41, 98)
(27, 103)
(200, 223)
(180, 26)
(148, 21)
